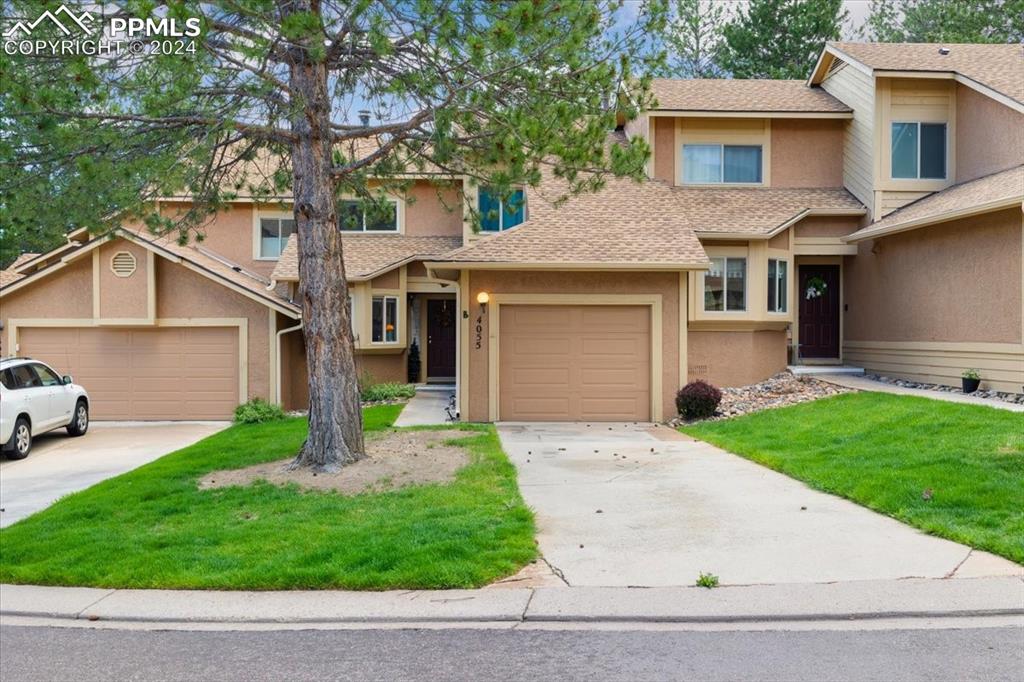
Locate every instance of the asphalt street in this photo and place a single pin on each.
(48, 653)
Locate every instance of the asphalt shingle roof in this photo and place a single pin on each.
(367, 255)
(1007, 185)
(1000, 67)
(758, 210)
(743, 95)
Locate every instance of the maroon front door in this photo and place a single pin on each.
(441, 338)
(819, 314)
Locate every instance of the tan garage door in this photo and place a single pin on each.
(574, 363)
(152, 374)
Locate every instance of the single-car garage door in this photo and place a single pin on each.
(574, 363)
(151, 374)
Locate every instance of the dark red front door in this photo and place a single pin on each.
(819, 314)
(440, 339)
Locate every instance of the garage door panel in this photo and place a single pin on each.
(161, 373)
(574, 363)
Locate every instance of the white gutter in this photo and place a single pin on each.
(277, 381)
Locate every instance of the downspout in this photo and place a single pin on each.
(277, 385)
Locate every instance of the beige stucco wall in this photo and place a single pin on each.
(65, 294)
(381, 368)
(735, 358)
(123, 297)
(807, 153)
(498, 282)
(294, 372)
(182, 293)
(827, 226)
(664, 149)
(989, 135)
(433, 210)
(959, 281)
(230, 233)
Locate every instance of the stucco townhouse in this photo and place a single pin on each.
(870, 215)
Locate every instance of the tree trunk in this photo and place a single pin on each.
(335, 417)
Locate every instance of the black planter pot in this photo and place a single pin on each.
(970, 385)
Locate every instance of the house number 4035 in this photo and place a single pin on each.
(479, 331)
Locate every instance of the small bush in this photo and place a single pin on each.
(387, 392)
(698, 400)
(257, 411)
(707, 580)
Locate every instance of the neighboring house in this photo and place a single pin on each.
(871, 215)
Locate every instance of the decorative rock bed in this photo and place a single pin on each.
(778, 391)
(906, 383)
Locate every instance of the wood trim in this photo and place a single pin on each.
(242, 323)
(683, 334)
(462, 345)
(494, 332)
(151, 285)
(273, 359)
(96, 284)
(822, 246)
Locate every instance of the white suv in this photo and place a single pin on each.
(35, 399)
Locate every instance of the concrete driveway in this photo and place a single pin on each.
(642, 505)
(59, 464)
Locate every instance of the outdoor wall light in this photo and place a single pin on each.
(482, 298)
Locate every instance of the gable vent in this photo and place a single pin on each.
(123, 264)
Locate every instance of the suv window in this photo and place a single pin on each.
(25, 377)
(47, 375)
(7, 379)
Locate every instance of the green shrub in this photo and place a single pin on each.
(698, 400)
(391, 390)
(257, 411)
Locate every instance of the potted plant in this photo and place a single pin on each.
(970, 380)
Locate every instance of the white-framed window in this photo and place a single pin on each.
(711, 164)
(273, 235)
(918, 151)
(725, 285)
(497, 214)
(368, 216)
(778, 295)
(384, 319)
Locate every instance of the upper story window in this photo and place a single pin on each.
(708, 164)
(274, 233)
(359, 216)
(777, 294)
(497, 214)
(919, 151)
(725, 285)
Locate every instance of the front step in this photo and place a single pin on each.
(810, 370)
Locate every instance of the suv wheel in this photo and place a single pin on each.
(20, 443)
(80, 421)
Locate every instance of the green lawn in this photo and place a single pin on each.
(883, 451)
(153, 528)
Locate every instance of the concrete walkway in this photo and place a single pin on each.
(760, 603)
(865, 384)
(643, 505)
(425, 409)
(59, 465)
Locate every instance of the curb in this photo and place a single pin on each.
(867, 600)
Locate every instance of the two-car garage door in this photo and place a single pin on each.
(148, 373)
(574, 363)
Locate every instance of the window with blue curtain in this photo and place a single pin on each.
(497, 214)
